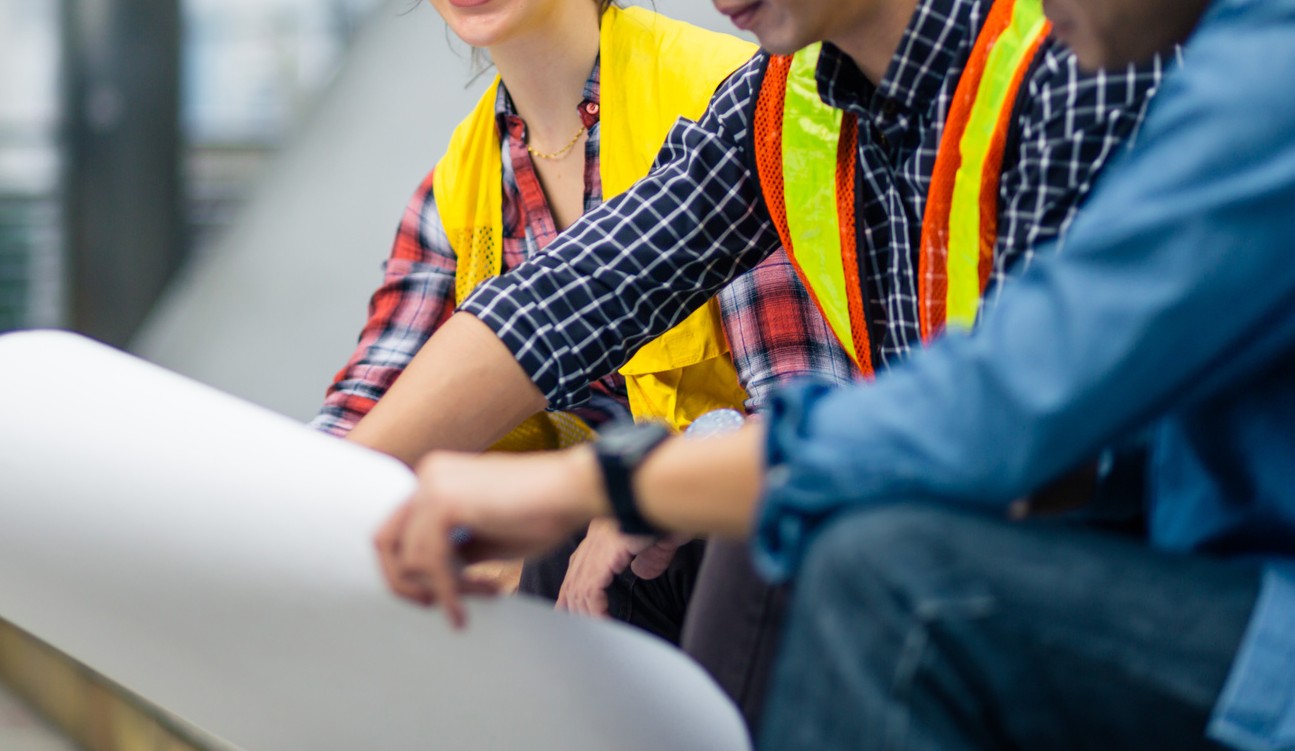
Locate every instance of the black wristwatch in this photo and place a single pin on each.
(620, 449)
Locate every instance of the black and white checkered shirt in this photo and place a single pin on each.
(633, 268)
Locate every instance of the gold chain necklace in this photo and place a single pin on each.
(559, 153)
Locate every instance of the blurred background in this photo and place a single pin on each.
(214, 184)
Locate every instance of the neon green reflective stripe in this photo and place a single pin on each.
(1007, 55)
(810, 133)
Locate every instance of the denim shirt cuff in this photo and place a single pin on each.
(801, 487)
(1256, 711)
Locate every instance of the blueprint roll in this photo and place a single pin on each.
(215, 558)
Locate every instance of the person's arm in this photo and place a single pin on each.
(416, 296)
(622, 274)
(1176, 283)
(1068, 125)
(517, 506)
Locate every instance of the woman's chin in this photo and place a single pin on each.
(480, 23)
(483, 31)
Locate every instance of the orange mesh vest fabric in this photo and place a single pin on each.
(1004, 50)
(771, 156)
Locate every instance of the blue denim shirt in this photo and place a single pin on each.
(1169, 317)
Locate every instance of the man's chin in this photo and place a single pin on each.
(1092, 62)
(1093, 54)
(1090, 56)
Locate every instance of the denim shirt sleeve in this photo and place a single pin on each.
(1176, 284)
(1257, 709)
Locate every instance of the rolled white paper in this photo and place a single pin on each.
(216, 559)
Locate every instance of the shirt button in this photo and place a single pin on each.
(881, 138)
(889, 108)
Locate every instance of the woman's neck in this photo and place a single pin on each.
(545, 71)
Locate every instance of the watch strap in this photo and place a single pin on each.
(618, 460)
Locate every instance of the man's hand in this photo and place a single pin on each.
(653, 561)
(512, 506)
(603, 554)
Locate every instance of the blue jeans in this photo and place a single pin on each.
(920, 628)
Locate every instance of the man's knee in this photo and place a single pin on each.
(916, 557)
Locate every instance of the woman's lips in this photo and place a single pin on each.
(743, 16)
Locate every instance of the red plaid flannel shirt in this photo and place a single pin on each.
(776, 332)
(417, 292)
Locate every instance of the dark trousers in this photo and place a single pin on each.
(918, 628)
(710, 602)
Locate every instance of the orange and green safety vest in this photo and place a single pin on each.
(802, 145)
(653, 70)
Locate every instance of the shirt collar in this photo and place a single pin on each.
(504, 107)
(935, 34)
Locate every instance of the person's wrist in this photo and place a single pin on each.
(590, 496)
(621, 451)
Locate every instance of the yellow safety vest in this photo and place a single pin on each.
(653, 70)
(803, 145)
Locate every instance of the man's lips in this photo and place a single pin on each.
(742, 15)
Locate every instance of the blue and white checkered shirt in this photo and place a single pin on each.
(628, 271)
